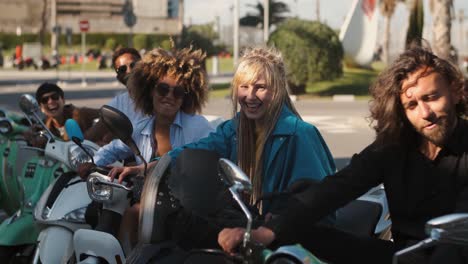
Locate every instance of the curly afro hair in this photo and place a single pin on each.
(185, 65)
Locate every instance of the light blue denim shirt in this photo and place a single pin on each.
(185, 129)
(125, 104)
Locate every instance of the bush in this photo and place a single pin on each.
(140, 41)
(110, 44)
(312, 52)
(165, 44)
(92, 39)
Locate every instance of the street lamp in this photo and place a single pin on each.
(236, 32)
(266, 18)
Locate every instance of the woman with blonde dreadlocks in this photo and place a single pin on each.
(266, 138)
(169, 88)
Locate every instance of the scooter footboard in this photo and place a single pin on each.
(97, 244)
(55, 245)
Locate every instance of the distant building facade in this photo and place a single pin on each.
(104, 16)
(18, 16)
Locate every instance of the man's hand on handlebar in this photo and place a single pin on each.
(84, 169)
(230, 238)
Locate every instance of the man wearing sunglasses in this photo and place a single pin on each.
(52, 103)
(124, 60)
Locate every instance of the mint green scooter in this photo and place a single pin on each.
(25, 173)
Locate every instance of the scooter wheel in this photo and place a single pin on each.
(7, 253)
(16, 254)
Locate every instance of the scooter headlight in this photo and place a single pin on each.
(98, 191)
(5, 126)
(77, 156)
(76, 216)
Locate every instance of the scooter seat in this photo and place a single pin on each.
(359, 217)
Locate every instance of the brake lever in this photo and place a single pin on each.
(116, 185)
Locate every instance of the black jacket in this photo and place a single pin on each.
(413, 198)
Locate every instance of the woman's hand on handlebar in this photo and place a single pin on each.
(230, 238)
(122, 172)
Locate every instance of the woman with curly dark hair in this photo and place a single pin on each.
(170, 88)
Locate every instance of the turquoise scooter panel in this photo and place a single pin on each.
(37, 174)
(18, 230)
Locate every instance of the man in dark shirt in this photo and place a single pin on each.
(420, 154)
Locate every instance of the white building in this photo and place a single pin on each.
(104, 16)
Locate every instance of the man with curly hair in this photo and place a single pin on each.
(123, 61)
(421, 156)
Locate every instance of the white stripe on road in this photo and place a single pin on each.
(331, 124)
(326, 124)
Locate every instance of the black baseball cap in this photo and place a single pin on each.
(48, 88)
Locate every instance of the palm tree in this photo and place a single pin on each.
(441, 27)
(44, 20)
(387, 8)
(416, 23)
(276, 14)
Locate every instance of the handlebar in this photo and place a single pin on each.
(101, 170)
(113, 184)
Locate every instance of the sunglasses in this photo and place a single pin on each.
(54, 97)
(123, 68)
(163, 90)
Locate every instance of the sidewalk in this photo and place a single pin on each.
(27, 77)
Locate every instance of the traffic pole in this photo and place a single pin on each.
(83, 51)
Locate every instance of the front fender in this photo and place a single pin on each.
(97, 244)
(55, 245)
(292, 252)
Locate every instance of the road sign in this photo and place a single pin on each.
(128, 15)
(68, 33)
(84, 25)
(130, 19)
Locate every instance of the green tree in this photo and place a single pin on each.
(201, 37)
(277, 11)
(140, 41)
(110, 44)
(312, 52)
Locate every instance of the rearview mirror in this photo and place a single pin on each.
(452, 228)
(238, 181)
(448, 229)
(120, 126)
(233, 175)
(28, 104)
